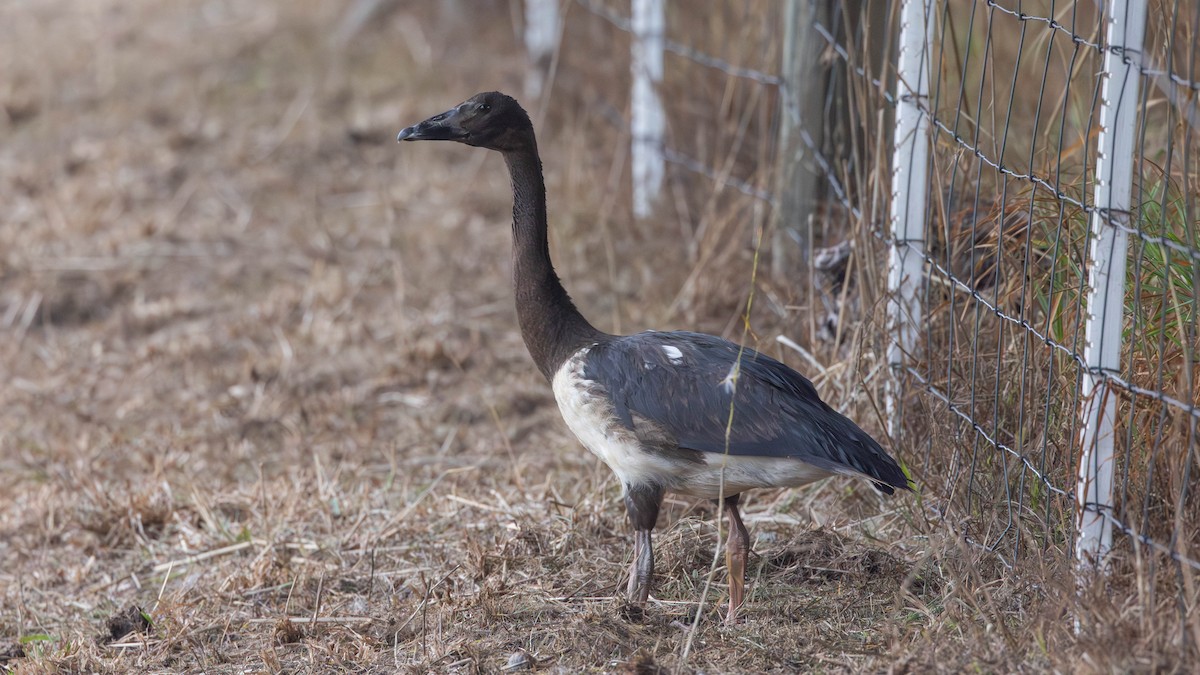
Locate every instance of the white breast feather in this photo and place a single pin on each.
(590, 416)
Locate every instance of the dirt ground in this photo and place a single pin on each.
(265, 407)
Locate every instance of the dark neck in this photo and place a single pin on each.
(551, 326)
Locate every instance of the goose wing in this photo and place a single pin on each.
(683, 387)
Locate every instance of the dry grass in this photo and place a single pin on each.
(266, 408)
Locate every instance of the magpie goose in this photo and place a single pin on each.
(671, 411)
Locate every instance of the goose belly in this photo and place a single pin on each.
(725, 475)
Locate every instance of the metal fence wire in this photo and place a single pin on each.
(1052, 318)
(1019, 228)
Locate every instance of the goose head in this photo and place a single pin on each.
(489, 120)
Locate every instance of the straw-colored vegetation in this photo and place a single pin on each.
(265, 407)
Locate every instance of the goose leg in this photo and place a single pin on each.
(642, 502)
(641, 570)
(737, 547)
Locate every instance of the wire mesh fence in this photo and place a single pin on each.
(1017, 240)
(1002, 390)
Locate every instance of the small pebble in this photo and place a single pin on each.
(358, 605)
(519, 660)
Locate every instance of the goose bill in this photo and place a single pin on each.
(437, 128)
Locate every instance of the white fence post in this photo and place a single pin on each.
(910, 190)
(542, 25)
(648, 121)
(1119, 99)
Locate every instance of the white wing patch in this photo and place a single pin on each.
(673, 354)
(730, 381)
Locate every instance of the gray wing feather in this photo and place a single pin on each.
(684, 385)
